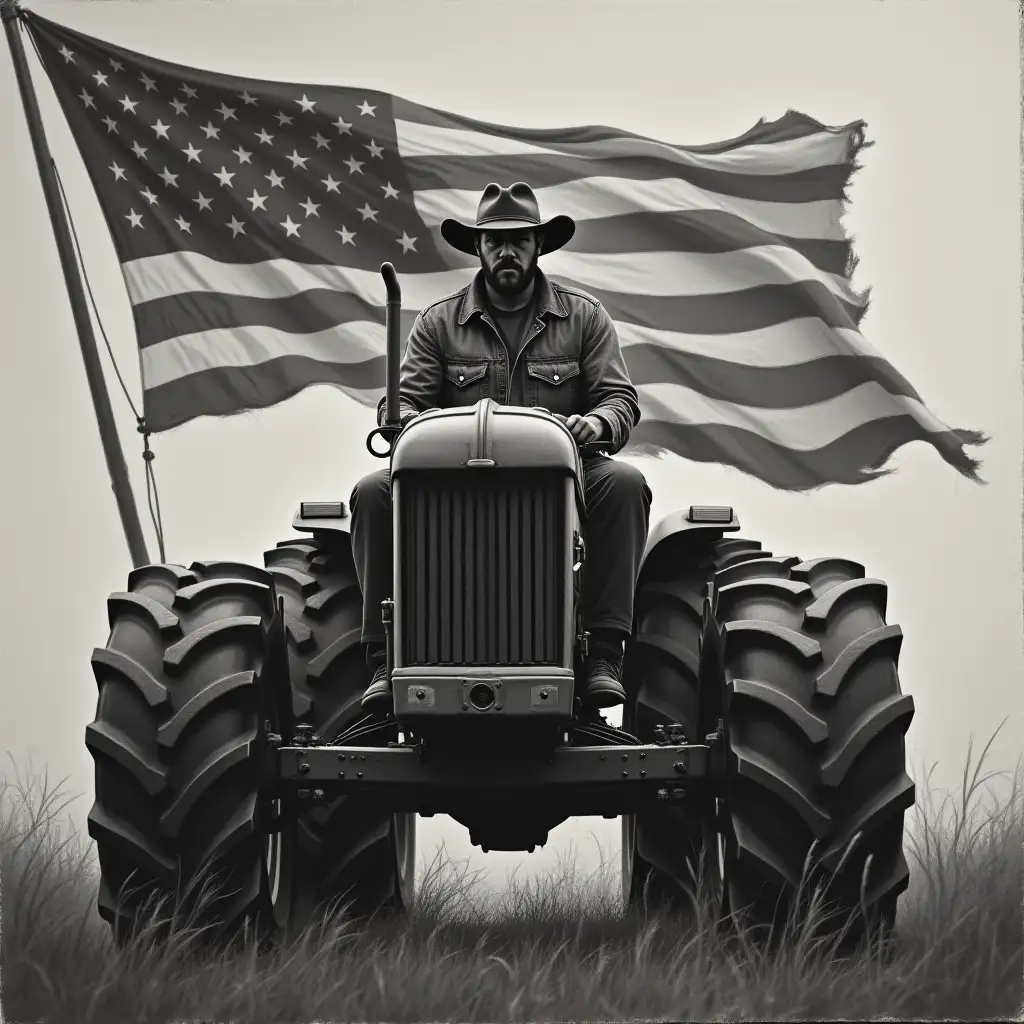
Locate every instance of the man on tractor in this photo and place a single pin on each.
(516, 337)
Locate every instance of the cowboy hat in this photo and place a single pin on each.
(508, 209)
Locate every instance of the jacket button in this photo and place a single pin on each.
(556, 376)
(461, 378)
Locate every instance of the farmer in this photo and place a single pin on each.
(530, 342)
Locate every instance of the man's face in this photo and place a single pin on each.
(509, 259)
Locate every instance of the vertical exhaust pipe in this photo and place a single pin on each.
(392, 322)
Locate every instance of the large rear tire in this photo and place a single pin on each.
(177, 744)
(350, 851)
(802, 672)
(805, 669)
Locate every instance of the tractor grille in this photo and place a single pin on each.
(483, 567)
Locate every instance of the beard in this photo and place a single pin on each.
(509, 277)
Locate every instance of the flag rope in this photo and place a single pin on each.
(148, 455)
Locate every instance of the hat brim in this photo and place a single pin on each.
(557, 231)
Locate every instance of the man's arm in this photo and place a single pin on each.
(421, 372)
(609, 392)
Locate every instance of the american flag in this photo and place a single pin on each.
(251, 217)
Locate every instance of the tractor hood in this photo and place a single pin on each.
(484, 436)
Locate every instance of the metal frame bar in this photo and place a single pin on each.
(608, 779)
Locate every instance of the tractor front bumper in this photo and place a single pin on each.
(606, 780)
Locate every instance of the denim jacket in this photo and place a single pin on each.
(570, 361)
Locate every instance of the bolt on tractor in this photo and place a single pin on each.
(763, 729)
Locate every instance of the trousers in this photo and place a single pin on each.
(618, 508)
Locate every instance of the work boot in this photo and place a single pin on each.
(378, 694)
(602, 686)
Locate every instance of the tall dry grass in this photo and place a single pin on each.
(552, 948)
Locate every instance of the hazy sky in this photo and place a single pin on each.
(935, 213)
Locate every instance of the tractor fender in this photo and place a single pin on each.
(694, 520)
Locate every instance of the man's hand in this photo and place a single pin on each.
(583, 428)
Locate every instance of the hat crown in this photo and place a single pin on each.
(517, 202)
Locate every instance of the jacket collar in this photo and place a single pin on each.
(475, 300)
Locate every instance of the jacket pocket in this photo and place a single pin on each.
(555, 384)
(465, 383)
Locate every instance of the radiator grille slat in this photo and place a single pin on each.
(482, 568)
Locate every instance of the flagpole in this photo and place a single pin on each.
(9, 12)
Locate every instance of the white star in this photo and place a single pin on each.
(140, 151)
(161, 129)
(368, 213)
(344, 127)
(291, 227)
(310, 207)
(224, 176)
(129, 104)
(118, 172)
(150, 197)
(354, 165)
(110, 123)
(257, 200)
(406, 243)
(375, 149)
(321, 142)
(87, 99)
(306, 104)
(170, 179)
(192, 153)
(135, 218)
(183, 224)
(275, 179)
(69, 57)
(390, 192)
(101, 79)
(202, 202)
(226, 112)
(148, 82)
(346, 235)
(179, 107)
(212, 131)
(247, 99)
(237, 227)
(365, 108)
(263, 136)
(283, 118)
(116, 64)
(296, 160)
(189, 91)
(332, 185)
(242, 154)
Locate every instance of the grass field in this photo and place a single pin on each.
(557, 948)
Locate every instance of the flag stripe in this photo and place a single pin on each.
(475, 173)
(227, 390)
(821, 149)
(802, 428)
(709, 324)
(852, 458)
(591, 197)
(792, 125)
(658, 274)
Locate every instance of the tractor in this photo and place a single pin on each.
(763, 732)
